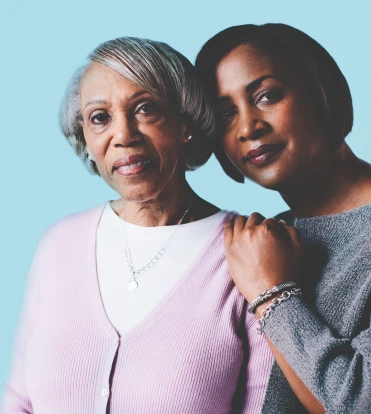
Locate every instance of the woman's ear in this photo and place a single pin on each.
(227, 164)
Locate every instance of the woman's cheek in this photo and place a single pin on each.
(286, 117)
(230, 148)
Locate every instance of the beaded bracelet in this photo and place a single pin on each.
(275, 302)
(268, 294)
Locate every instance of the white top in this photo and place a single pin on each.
(127, 308)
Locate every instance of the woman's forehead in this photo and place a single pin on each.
(101, 81)
(98, 75)
(246, 64)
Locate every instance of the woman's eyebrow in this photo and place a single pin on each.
(132, 97)
(257, 82)
(249, 88)
(96, 101)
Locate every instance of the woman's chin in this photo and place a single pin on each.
(271, 179)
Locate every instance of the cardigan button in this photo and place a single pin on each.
(104, 393)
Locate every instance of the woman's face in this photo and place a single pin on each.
(136, 139)
(270, 128)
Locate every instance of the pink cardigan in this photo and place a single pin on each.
(197, 352)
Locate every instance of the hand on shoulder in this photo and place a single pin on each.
(261, 253)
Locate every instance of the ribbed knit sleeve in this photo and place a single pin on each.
(259, 365)
(15, 394)
(336, 369)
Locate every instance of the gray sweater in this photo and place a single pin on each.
(325, 334)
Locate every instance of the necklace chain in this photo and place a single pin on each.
(133, 284)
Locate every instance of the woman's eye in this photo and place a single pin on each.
(268, 97)
(227, 114)
(147, 108)
(100, 118)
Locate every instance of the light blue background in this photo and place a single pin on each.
(42, 42)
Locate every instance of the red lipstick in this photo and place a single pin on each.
(263, 155)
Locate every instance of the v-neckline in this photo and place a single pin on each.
(96, 296)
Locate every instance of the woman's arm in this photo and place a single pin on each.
(15, 394)
(304, 395)
(260, 352)
(337, 371)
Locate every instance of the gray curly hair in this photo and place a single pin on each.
(157, 68)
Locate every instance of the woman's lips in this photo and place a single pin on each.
(133, 169)
(263, 155)
(132, 165)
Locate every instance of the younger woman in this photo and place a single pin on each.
(284, 109)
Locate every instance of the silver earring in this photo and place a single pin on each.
(190, 137)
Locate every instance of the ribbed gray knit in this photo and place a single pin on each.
(325, 334)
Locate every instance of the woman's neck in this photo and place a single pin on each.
(166, 209)
(345, 185)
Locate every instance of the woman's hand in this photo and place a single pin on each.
(261, 253)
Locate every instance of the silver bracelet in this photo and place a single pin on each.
(267, 294)
(275, 302)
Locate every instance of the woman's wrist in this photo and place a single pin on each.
(263, 305)
(253, 290)
(276, 301)
(268, 294)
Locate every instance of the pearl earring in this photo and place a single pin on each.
(190, 137)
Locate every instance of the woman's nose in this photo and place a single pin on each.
(125, 132)
(251, 126)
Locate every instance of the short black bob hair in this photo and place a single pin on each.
(302, 54)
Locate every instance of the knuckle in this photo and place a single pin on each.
(239, 219)
(255, 214)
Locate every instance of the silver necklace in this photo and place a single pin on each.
(133, 284)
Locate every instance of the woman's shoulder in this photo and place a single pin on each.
(74, 225)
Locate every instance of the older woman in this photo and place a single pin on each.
(130, 307)
(284, 110)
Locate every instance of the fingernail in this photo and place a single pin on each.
(283, 221)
